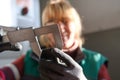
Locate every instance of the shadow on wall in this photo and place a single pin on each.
(108, 43)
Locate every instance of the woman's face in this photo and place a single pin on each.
(67, 29)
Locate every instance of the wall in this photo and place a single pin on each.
(98, 15)
(7, 13)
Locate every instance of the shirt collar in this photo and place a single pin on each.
(77, 54)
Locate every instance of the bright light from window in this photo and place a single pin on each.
(6, 11)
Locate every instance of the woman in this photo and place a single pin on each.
(61, 12)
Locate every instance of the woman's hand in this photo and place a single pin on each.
(65, 69)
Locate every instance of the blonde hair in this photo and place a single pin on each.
(60, 10)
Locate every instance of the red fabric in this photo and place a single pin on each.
(103, 73)
(8, 73)
(19, 64)
(2, 75)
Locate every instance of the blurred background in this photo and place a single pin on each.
(101, 26)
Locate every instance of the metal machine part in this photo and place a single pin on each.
(32, 35)
(4, 41)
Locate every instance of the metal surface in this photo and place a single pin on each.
(30, 35)
(50, 29)
(6, 28)
(26, 34)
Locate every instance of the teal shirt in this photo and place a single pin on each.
(90, 64)
(31, 65)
